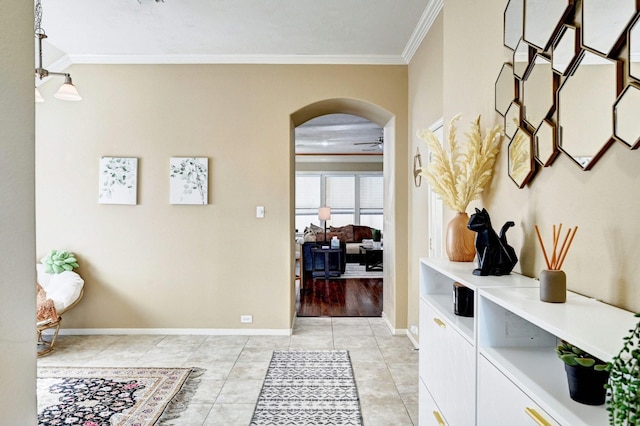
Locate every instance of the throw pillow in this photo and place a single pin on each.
(315, 228)
(57, 261)
(45, 307)
(361, 232)
(330, 235)
(309, 235)
(346, 230)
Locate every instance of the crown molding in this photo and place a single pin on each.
(420, 32)
(240, 59)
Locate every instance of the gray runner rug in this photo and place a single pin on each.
(308, 388)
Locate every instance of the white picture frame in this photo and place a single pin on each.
(189, 180)
(118, 180)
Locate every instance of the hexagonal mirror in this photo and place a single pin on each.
(513, 23)
(542, 20)
(634, 50)
(537, 91)
(564, 50)
(604, 22)
(521, 59)
(521, 165)
(512, 120)
(625, 114)
(585, 105)
(505, 89)
(544, 143)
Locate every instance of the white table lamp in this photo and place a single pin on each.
(324, 214)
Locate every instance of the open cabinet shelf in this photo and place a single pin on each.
(500, 366)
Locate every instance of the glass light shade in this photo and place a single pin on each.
(39, 97)
(68, 91)
(324, 213)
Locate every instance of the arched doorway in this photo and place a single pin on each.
(386, 120)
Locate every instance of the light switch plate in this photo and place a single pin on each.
(260, 212)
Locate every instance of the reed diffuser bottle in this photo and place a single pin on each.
(553, 280)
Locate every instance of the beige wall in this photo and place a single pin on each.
(157, 265)
(602, 202)
(425, 107)
(17, 227)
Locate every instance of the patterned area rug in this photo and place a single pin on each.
(137, 396)
(355, 270)
(308, 388)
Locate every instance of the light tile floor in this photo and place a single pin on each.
(385, 366)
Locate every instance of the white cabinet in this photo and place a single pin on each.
(500, 367)
(518, 334)
(501, 403)
(429, 413)
(448, 367)
(448, 341)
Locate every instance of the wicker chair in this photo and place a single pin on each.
(65, 290)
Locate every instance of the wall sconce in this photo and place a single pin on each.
(417, 168)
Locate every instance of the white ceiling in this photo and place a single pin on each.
(339, 134)
(244, 31)
(214, 31)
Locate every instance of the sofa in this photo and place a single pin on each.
(353, 236)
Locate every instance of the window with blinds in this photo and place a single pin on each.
(354, 198)
(371, 201)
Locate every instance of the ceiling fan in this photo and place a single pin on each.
(375, 146)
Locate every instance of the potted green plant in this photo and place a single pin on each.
(623, 390)
(587, 375)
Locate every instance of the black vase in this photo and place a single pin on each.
(462, 300)
(586, 385)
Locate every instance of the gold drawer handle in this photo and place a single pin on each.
(438, 418)
(439, 322)
(536, 417)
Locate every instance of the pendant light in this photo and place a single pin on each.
(67, 91)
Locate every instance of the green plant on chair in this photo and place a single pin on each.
(574, 356)
(623, 390)
(57, 261)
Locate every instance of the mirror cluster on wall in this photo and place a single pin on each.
(573, 85)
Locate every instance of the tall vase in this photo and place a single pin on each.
(460, 241)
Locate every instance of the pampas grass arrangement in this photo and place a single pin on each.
(519, 158)
(460, 175)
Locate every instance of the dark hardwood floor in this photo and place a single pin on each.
(358, 297)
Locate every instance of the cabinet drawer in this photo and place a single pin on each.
(429, 414)
(447, 362)
(502, 403)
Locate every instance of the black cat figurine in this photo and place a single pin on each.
(495, 256)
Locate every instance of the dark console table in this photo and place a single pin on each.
(325, 270)
(372, 258)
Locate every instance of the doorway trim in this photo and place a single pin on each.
(386, 120)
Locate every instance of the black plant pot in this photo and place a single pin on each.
(586, 385)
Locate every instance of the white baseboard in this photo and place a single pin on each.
(394, 331)
(173, 331)
(413, 340)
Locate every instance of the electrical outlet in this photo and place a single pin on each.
(246, 319)
(414, 330)
(260, 212)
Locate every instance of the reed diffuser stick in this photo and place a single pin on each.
(556, 238)
(544, 252)
(557, 255)
(568, 245)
